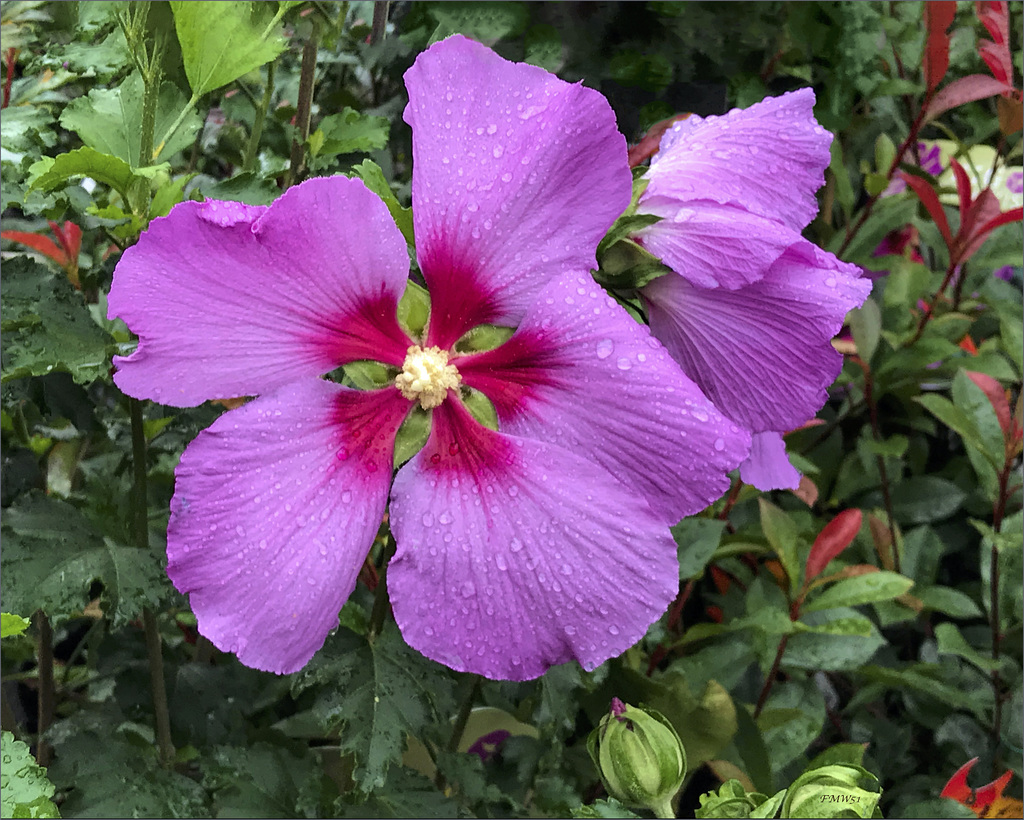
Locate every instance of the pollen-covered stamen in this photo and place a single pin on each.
(426, 376)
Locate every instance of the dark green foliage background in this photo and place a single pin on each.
(894, 670)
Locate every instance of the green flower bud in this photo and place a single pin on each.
(832, 791)
(639, 756)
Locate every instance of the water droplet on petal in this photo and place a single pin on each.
(605, 348)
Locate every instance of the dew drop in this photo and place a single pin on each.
(605, 348)
(624, 363)
(719, 444)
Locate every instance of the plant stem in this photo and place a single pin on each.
(141, 537)
(664, 809)
(998, 511)
(380, 21)
(304, 107)
(930, 309)
(174, 127)
(381, 604)
(44, 752)
(252, 148)
(773, 673)
(471, 687)
(883, 474)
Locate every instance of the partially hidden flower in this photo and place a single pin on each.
(985, 801)
(517, 548)
(751, 307)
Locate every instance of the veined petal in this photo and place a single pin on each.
(233, 300)
(580, 373)
(517, 175)
(713, 245)
(761, 353)
(275, 506)
(769, 158)
(515, 555)
(768, 467)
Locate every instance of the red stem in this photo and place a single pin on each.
(9, 57)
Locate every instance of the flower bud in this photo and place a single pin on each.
(640, 757)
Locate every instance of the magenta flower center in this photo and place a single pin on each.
(426, 376)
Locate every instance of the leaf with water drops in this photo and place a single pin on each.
(24, 787)
(378, 692)
(47, 326)
(52, 556)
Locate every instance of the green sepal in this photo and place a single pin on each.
(483, 337)
(412, 435)
(414, 310)
(480, 407)
(626, 265)
(369, 375)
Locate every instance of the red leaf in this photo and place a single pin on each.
(70, 238)
(995, 393)
(837, 535)
(930, 200)
(965, 90)
(648, 146)
(938, 16)
(996, 54)
(963, 190)
(986, 211)
(42, 244)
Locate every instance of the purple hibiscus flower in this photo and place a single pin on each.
(517, 548)
(752, 306)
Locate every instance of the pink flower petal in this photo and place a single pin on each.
(768, 467)
(231, 300)
(713, 245)
(762, 353)
(514, 555)
(275, 507)
(580, 373)
(769, 158)
(517, 176)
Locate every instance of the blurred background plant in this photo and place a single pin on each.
(870, 619)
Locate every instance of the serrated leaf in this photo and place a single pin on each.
(110, 768)
(405, 794)
(482, 21)
(373, 177)
(861, 589)
(349, 132)
(11, 625)
(110, 120)
(25, 790)
(50, 173)
(260, 780)
(603, 808)
(378, 692)
(47, 326)
(52, 555)
(221, 41)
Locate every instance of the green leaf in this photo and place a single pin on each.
(373, 177)
(259, 780)
(861, 589)
(25, 790)
(792, 718)
(969, 398)
(781, 533)
(849, 753)
(844, 188)
(923, 499)
(926, 678)
(483, 21)
(110, 120)
(221, 41)
(404, 794)
(956, 419)
(52, 555)
(951, 642)
(50, 173)
(603, 808)
(380, 692)
(349, 132)
(12, 624)
(47, 326)
(109, 768)
(837, 643)
(697, 539)
(866, 326)
(948, 601)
